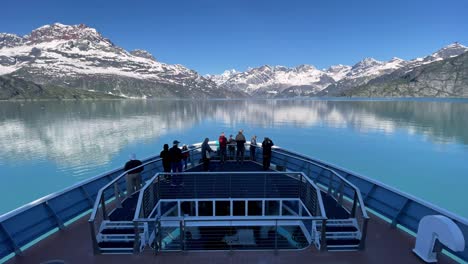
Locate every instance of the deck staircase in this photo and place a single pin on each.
(342, 232)
(119, 237)
(342, 235)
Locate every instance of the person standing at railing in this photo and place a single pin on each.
(266, 145)
(253, 147)
(176, 163)
(231, 147)
(133, 177)
(222, 147)
(166, 160)
(185, 155)
(240, 140)
(206, 154)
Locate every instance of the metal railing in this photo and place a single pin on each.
(229, 188)
(230, 185)
(50, 213)
(335, 185)
(111, 195)
(56, 210)
(190, 235)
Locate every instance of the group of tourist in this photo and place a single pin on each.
(175, 159)
(238, 144)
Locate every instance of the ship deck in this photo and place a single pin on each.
(384, 244)
(72, 245)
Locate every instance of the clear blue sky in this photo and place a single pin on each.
(210, 36)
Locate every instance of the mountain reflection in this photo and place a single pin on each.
(94, 131)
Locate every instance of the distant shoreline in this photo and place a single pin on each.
(376, 99)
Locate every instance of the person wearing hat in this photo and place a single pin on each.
(176, 161)
(266, 146)
(133, 177)
(240, 140)
(222, 147)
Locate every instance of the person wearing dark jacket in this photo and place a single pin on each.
(166, 158)
(231, 147)
(133, 177)
(222, 147)
(165, 155)
(176, 162)
(240, 140)
(206, 154)
(266, 146)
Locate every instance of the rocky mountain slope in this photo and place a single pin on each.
(12, 88)
(441, 78)
(306, 80)
(80, 57)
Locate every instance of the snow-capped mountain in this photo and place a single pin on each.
(306, 80)
(223, 77)
(272, 80)
(449, 51)
(338, 72)
(80, 57)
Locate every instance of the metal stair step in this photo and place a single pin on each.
(343, 242)
(115, 231)
(341, 229)
(116, 245)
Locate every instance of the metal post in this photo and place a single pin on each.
(86, 194)
(159, 235)
(362, 244)
(105, 216)
(231, 229)
(96, 249)
(13, 244)
(323, 236)
(60, 224)
(195, 185)
(158, 189)
(330, 185)
(182, 235)
(117, 195)
(299, 186)
(353, 211)
(151, 199)
(276, 236)
(341, 191)
(136, 242)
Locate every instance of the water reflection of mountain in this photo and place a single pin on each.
(96, 130)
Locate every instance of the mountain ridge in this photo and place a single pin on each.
(334, 81)
(80, 57)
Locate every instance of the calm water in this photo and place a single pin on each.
(420, 147)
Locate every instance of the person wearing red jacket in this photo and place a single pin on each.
(222, 147)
